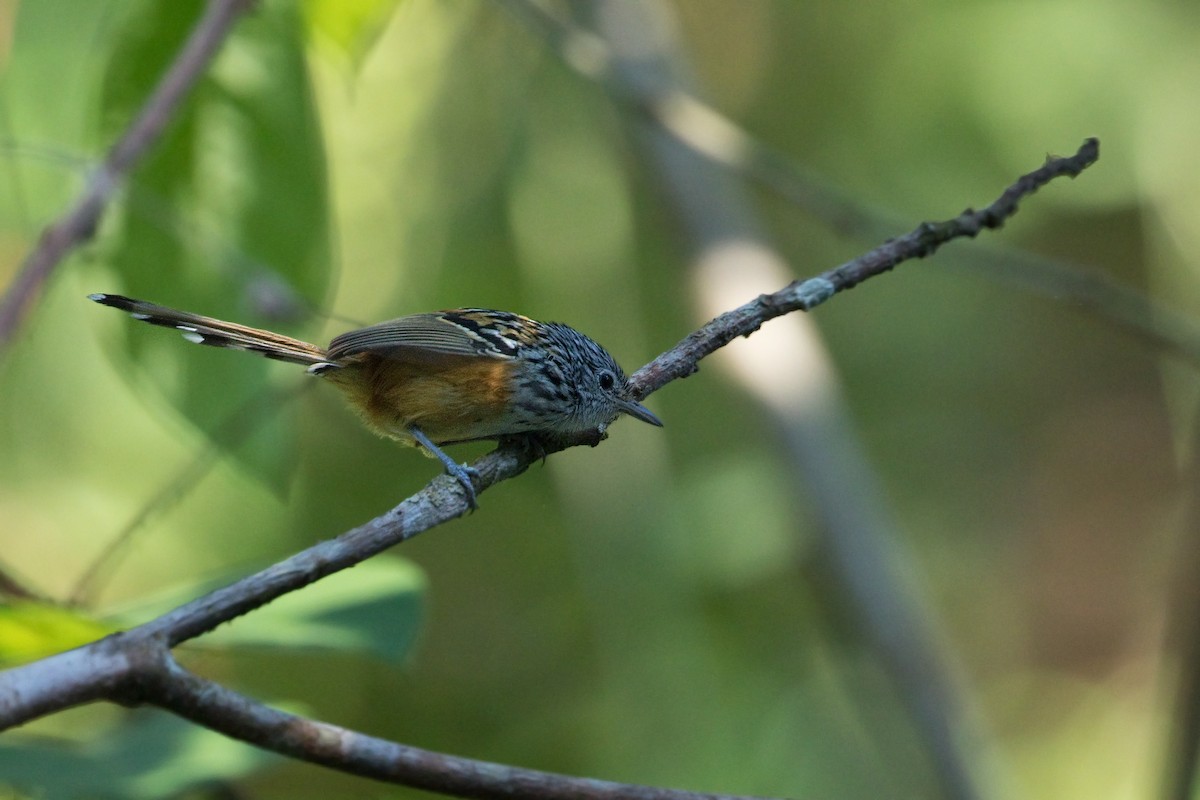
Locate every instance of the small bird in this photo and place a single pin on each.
(445, 377)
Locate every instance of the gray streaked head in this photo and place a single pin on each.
(590, 384)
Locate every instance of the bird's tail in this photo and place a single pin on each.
(217, 333)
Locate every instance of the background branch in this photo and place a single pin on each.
(694, 123)
(1181, 691)
(79, 223)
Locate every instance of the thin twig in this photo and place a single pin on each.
(79, 223)
(681, 360)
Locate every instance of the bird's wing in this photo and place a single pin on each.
(458, 332)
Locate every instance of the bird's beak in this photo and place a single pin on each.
(639, 411)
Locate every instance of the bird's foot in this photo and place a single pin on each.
(460, 472)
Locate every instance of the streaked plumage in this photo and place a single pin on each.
(443, 377)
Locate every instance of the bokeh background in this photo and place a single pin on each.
(654, 610)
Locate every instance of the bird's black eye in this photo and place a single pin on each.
(607, 380)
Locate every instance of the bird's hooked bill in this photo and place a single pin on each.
(639, 411)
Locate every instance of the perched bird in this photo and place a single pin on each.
(445, 377)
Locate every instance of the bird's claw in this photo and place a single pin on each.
(465, 476)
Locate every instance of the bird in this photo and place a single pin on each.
(445, 377)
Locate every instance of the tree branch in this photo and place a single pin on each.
(136, 665)
(233, 714)
(78, 224)
(681, 360)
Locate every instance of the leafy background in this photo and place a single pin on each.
(650, 610)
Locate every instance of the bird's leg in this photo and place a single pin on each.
(461, 472)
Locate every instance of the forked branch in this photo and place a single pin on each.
(137, 666)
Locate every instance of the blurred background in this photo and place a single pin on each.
(655, 610)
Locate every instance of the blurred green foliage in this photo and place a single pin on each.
(243, 159)
(374, 609)
(31, 630)
(651, 610)
(147, 755)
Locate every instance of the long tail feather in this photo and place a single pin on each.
(217, 333)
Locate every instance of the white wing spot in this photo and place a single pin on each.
(322, 368)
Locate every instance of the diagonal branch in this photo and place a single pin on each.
(79, 223)
(136, 665)
(226, 711)
(681, 360)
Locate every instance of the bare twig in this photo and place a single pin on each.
(79, 223)
(680, 361)
(136, 666)
(226, 711)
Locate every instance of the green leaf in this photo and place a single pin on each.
(30, 630)
(374, 608)
(349, 27)
(153, 755)
(226, 216)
